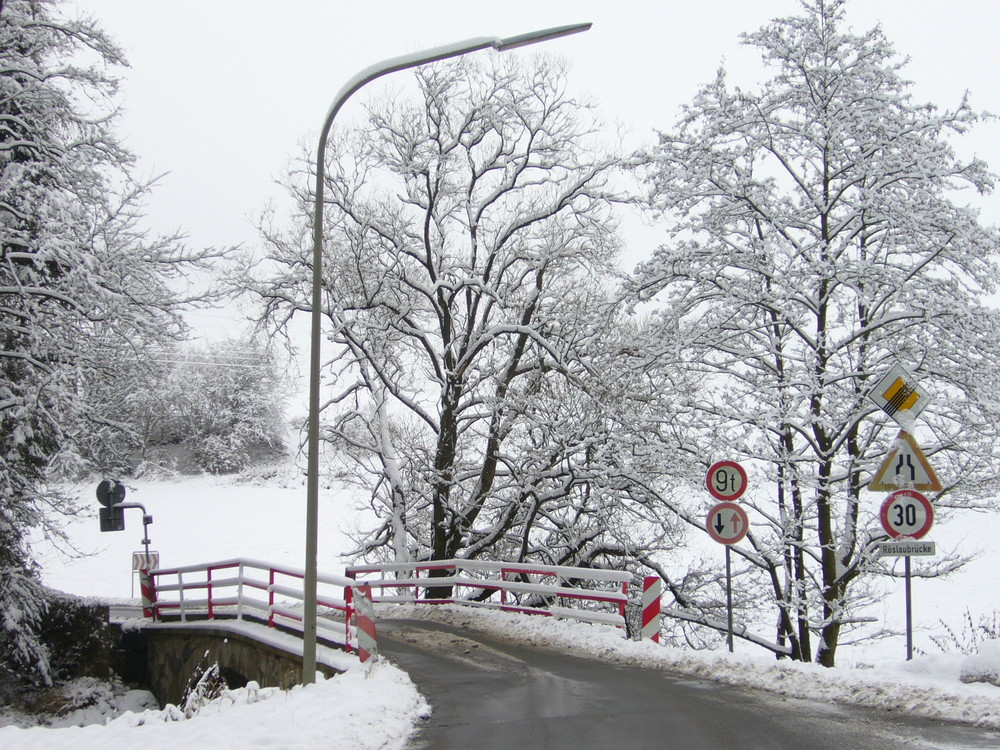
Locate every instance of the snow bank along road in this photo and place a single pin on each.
(491, 695)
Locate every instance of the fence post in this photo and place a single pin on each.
(503, 592)
(239, 592)
(148, 591)
(270, 598)
(180, 596)
(651, 588)
(349, 615)
(211, 610)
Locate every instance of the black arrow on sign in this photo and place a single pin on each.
(719, 525)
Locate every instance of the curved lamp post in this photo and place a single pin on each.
(312, 484)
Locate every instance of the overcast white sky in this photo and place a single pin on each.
(221, 93)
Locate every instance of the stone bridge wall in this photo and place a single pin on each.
(175, 653)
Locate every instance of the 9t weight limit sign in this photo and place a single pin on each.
(726, 480)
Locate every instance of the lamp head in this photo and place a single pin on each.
(532, 37)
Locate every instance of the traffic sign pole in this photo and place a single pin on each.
(729, 600)
(907, 513)
(909, 613)
(727, 523)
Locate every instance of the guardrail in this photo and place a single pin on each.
(520, 586)
(233, 588)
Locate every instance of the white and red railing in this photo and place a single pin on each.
(249, 589)
(597, 596)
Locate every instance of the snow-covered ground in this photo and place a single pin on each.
(338, 712)
(199, 519)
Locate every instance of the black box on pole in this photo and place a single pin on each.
(112, 519)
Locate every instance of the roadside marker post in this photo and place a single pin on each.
(364, 621)
(143, 561)
(652, 588)
(148, 590)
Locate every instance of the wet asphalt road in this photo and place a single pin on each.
(488, 695)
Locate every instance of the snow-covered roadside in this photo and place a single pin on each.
(379, 707)
(210, 518)
(372, 708)
(82, 701)
(927, 687)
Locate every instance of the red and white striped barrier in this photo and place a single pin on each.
(364, 621)
(148, 592)
(652, 587)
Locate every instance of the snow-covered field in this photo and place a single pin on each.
(199, 519)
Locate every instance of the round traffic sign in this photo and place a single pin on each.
(726, 480)
(110, 492)
(907, 513)
(727, 523)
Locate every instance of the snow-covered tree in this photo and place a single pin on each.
(471, 251)
(817, 237)
(223, 403)
(79, 281)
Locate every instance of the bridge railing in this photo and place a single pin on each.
(585, 594)
(242, 588)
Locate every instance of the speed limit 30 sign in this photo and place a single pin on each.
(907, 513)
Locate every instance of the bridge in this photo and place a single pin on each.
(245, 615)
(487, 692)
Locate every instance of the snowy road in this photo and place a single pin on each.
(495, 696)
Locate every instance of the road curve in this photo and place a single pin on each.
(489, 695)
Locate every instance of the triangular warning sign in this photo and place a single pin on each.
(905, 468)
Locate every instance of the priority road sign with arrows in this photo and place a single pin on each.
(727, 523)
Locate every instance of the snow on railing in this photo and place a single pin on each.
(522, 587)
(250, 589)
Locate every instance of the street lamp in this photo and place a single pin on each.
(312, 483)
